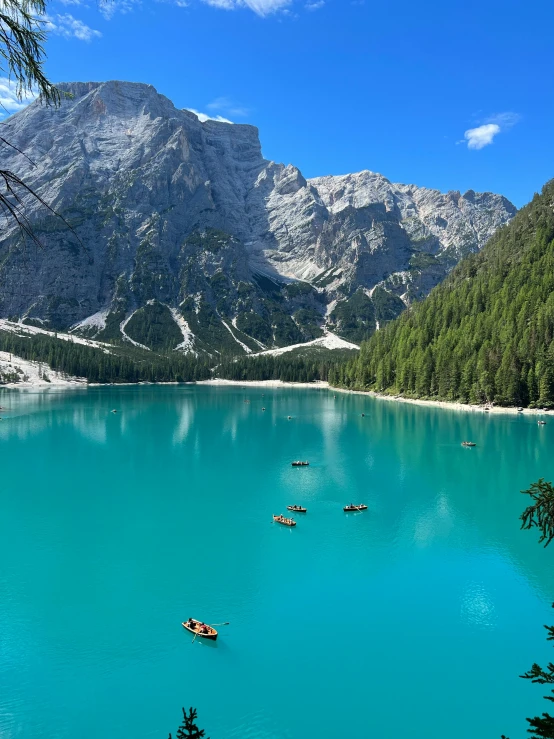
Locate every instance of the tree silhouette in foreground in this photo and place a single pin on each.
(540, 515)
(22, 33)
(189, 728)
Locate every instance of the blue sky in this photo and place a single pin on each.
(339, 86)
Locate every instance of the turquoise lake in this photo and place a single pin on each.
(412, 619)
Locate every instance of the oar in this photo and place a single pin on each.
(223, 624)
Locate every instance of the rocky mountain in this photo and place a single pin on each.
(185, 237)
(485, 335)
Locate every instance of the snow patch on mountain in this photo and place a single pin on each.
(329, 341)
(187, 345)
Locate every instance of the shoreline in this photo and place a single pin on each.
(321, 384)
(74, 383)
(446, 404)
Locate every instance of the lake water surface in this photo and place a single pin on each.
(413, 619)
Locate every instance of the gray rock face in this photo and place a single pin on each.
(241, 252)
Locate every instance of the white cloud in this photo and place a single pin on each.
(203, 117)
(483, 135)
(69, 27)
(261, 7)
(228, 106)
(9, 99)
(109, 8)
(315, 5)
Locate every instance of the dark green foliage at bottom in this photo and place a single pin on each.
(540, 514)
(188, 727)
(485, 334)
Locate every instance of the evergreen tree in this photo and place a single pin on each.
(540, 514)
(22, 33)
(189, 728)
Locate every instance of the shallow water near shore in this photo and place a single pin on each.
(413, 618)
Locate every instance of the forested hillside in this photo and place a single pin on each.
(128, 364)
(97, 365)
(483, 335)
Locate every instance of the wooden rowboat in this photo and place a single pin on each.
(297, 509)
(468, 443)
(200, 629)
(300, 464)
(284, 521)
(348, 508)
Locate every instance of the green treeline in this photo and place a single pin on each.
(130, 364)
(96, 365)
(483, 335)
(285, 367)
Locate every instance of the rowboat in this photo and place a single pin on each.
(541, 423)
(300, 464)
(468, 443)
(284, 521)
(351, 507)
(200, 629)
(297, 509)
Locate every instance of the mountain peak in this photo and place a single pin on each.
(189, 214)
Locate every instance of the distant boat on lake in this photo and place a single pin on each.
(352, 507)
(468, 443)
(284, 521)
(297, 508)
(300, 464)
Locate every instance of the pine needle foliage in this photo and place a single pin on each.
(485, 334)
(22, 34)
(541, 515)
(188, 729)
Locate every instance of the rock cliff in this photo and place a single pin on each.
(185, 237)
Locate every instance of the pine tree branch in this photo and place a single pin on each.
(22, 33)
(11, 205)
(541, 513)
